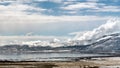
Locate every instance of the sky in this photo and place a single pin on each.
(54, 17)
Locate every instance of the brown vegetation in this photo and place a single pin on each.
(46, 65)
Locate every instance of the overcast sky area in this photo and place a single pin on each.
(54, 17)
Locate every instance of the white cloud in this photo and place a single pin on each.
(112, 26)
(52, 19)
(56, 1)
(40, 0)
(15, 9)
(92, 0)
(80, 18)
(15, 1)
(78, 6)
(92, 7)
(30, 40)
(3, 1)
(108, 9)
(17, 13)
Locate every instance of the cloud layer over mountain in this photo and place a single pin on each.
(112, 26)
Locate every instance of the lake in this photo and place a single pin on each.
(43, 56)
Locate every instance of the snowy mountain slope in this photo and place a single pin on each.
(105, 38)
(88, 37)
(107, 43)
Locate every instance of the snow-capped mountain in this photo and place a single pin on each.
(105, 38)
(88, 37)
(106, 43)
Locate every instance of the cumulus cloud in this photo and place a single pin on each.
(108, 9)
(112, 25)
(92, 6)
(17, 14)
(78, 6)
(20, 13)
(16, 9)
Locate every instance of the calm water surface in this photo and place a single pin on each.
(42, 56)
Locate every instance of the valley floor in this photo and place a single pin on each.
(111, 62)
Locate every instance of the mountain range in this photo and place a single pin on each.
(106, 43)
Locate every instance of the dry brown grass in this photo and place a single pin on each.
(26, 65)
(80, 64)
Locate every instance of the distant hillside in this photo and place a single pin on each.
(106, 43)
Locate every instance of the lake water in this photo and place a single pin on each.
(43, 56)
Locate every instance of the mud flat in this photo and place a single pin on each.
(111, 62)
(33, 64)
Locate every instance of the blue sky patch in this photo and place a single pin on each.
(55, 17)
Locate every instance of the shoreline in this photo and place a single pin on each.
(87, 63)
(33, 64)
